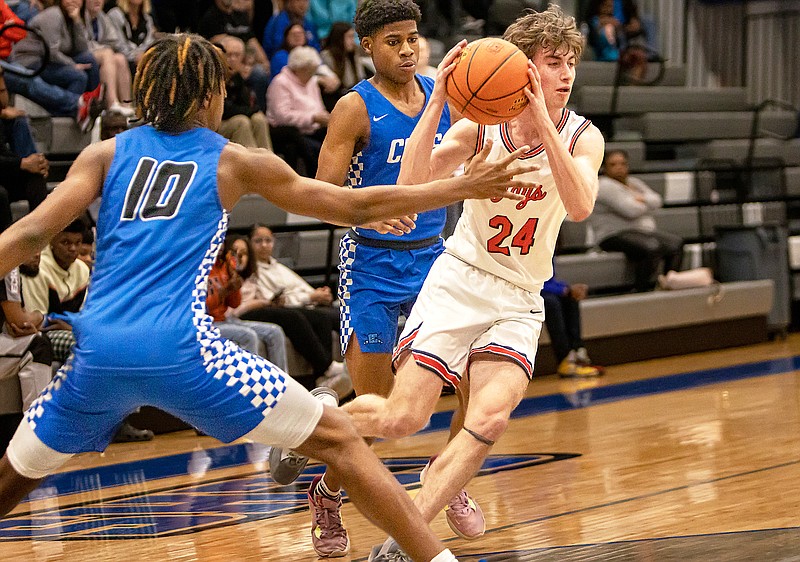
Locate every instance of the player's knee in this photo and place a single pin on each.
(491, 426)
(339, 440)
(404, 422)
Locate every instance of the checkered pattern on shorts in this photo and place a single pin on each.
(347, 255)
(250, 373)
(36, 409)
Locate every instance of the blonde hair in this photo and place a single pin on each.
(125, 5)
(547, 30)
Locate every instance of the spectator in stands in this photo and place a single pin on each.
(56, 284)
(242, 120)
(230, 269)
(233, 17)
(294, 104)
(111, 50)
(57, 101)
(26, 9)
(640, 31)
(71, 65)
(623, 222)
(274, 293)
(293, 10)
(135, 25)
(25, 357)
(20, 177)
(562, 317)
(607, 39)
(294, 36)
(325, 14)
(86, 251)
(341, 56)
(502, 13)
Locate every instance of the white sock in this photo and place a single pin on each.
(444, 556)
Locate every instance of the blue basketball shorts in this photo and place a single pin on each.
(376, 287)
(228, 394)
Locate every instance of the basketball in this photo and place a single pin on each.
(487, 83)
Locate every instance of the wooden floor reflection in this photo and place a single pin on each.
(705, 473)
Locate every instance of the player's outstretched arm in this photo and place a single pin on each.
(243, 170)
(82, 185)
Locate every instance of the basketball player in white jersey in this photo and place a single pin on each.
(477, 321)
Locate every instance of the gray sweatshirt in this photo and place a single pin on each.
(618, 209)
(64, 41)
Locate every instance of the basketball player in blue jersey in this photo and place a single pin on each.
(382, 265)
(143, 336)
(477, 320)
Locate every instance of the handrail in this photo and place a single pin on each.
(751, 149)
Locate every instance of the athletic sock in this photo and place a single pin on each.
(444, 556)
(323, 490)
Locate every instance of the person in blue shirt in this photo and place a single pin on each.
(143, 335)
(562, 316)
(382, 265)
(293, 11)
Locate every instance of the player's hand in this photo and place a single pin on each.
(538, 114)
(398, 227)
(446, 68)
(578, 291)
(493, 178)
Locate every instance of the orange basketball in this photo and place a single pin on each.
(487, 83)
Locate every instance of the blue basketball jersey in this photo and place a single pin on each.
(160, 212)
(378, 163)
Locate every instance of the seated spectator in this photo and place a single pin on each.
(562, 316)
(325, 14)
(55, 286)
(135, 25)
(25, 357)
(640, 31)
(623, 221)
(26, 9)
(231, 267)
(59, 285)
(71, 65)
(607, 39)
(294, 36)
(242, 120)
(86, 251)
(226, 17)
(293, 10)
(294, 105)
(111, 50)
(20, 177)
(274, 293)
(341, 56)
(56, 100)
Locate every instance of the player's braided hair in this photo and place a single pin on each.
(550, 29)
(174, 77)
(374, 14)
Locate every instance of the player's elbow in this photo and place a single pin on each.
(580, 212)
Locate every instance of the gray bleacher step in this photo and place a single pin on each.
(640, 99)
(596, 73)
(707, 125)
(737, 149)
(792, 152)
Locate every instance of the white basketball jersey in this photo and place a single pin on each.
(515, 240)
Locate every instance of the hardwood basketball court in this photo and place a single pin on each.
(686, 458)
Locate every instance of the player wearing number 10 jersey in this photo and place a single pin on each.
(477, 320)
